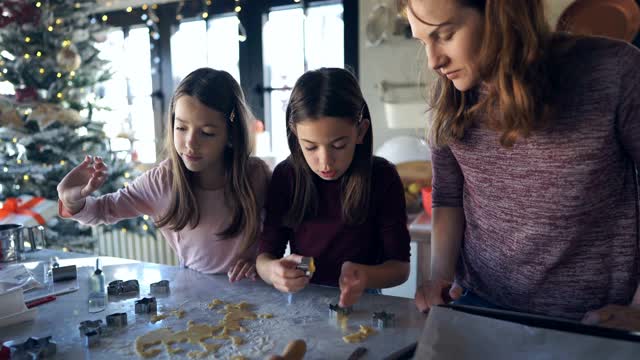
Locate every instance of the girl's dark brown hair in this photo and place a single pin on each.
(513, 59)
(329, 92)
(219, 91)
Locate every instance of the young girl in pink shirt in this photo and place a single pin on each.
(206, 198)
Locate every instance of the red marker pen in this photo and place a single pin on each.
(40, 301)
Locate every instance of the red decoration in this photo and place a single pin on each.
(14, 206)
(19, 11)
(26, 94)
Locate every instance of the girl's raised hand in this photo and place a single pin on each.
(243, 268)
(285, 277)
(80, 182)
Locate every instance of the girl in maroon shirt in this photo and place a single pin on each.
(332, 199)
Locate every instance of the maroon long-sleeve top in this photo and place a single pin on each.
(552, 224)
(383, 236)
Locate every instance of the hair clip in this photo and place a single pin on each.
(232, 116)
(361, 113)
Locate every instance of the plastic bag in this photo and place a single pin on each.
(17, 276)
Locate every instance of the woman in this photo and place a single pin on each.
(536, 142)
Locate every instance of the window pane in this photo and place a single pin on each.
(292, 44)
(113, 93)
(223, 45)
(6, 88)
(138, 54)
(130, 123)
(187, 52)
(324, 32)
(284, 63)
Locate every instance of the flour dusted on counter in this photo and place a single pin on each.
(205, 336)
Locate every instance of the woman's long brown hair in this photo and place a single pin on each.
(219, 91)
(516, 84)
(329, 92)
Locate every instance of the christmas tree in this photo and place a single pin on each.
(48, 53)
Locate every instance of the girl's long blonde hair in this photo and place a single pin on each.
(219, 91)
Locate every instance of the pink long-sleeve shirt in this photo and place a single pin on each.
(198, 248)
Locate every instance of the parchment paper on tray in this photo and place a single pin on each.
(456, 335)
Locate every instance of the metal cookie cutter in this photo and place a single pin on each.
(33, 348)
(307, 265)
(119, 287)
(146, 305)
(91, 338)
(90, 325)
(335, 309)
(117, 319)
(63, 273)
(161, 287)
(383, 319)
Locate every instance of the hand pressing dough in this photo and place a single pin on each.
(365, 332)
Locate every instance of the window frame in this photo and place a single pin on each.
(253, 17)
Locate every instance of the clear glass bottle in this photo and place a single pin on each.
(97, 294)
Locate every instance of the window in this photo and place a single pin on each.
(294, 43)
(223, 46)
(187, 50)
(6, 88)
(221, 52)
(130, 123)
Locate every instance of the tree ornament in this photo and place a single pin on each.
(68, 59)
